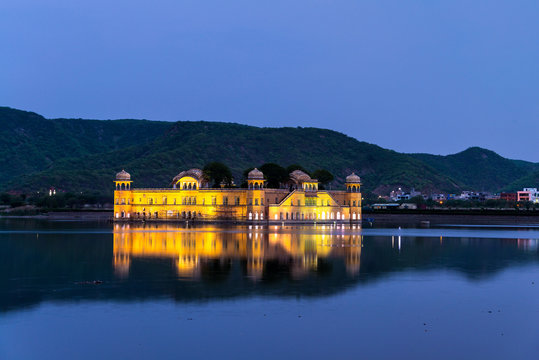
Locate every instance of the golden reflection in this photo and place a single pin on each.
(191, 249)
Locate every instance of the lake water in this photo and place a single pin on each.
(75, 290)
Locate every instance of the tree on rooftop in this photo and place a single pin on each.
(324, 177)
(274, 174)
(217, 173)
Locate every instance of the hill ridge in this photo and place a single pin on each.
(83, 155)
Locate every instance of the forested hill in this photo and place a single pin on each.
(29, 143)
(84, 155)
(481, 169)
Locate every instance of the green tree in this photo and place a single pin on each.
(418, 200)
(324, 177)
(274, 174)
(217, 173)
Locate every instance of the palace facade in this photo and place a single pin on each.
(190, 198)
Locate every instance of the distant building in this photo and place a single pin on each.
(400, 195)
(438, 197)
(509, 197)
(528, 194)
(474, 196)
(385, 206)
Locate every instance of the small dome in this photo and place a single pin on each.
(353, 178)
(123, 175)
(255, 174)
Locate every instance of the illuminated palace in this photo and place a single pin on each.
(190, 198)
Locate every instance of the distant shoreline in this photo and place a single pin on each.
(91, 215)
(434, 219)
(378, 218)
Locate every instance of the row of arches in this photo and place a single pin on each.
(185, 186)
(251, 216)
(352, 188)
(123, 186)
(256, 215)
(314, 216)
(255, 186)
(310, 216)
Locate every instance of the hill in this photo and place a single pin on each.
(30, 143)
(193, 144)
(479, 169)
(529, 180)
(84, 155)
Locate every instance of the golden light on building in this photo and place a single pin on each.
(189, 198)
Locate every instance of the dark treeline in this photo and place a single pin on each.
(68, 200)
(217, 173)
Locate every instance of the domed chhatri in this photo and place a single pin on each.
(123, 176)
(353, 179)
(255, 174)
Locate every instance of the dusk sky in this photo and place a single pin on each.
(413, 76)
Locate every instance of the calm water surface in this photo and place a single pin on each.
(71, 290)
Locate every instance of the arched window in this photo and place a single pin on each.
(250, 215)
(256, 216)
(338, 216)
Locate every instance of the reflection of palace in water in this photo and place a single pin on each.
(192, 249)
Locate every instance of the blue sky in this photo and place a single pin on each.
(413, 76)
